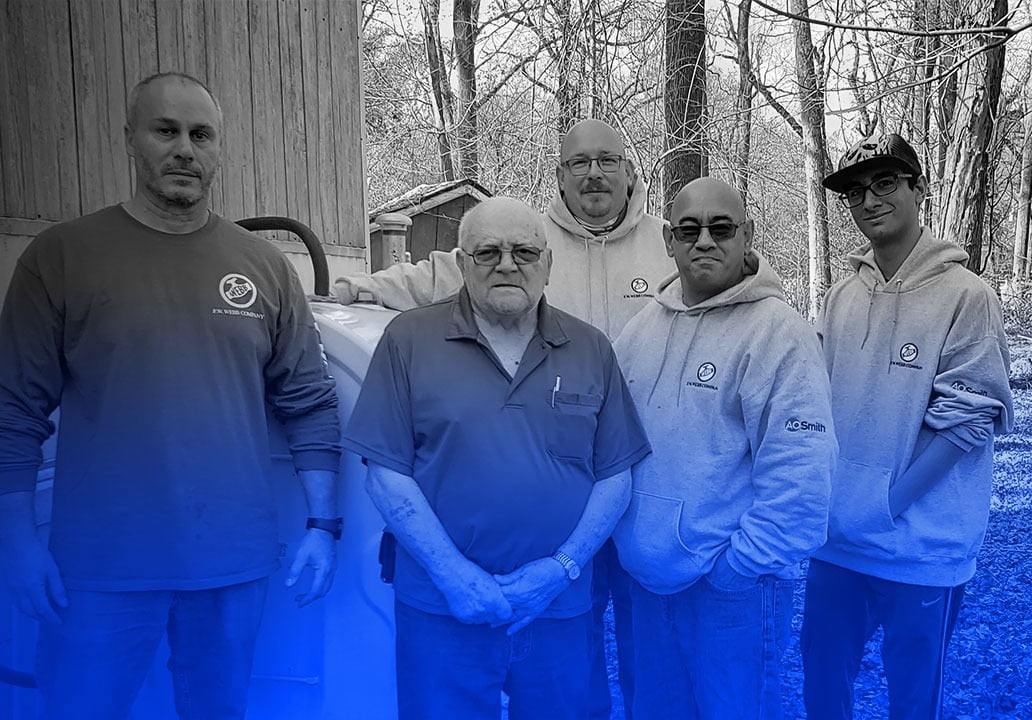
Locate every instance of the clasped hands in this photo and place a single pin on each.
(516, 599)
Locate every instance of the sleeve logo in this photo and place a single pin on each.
(796, 425)
(238, 290)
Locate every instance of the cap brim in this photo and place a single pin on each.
(841, 180)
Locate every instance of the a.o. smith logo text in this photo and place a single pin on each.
(958, 385)
(796, 425)
(238, 290)
(639, 285)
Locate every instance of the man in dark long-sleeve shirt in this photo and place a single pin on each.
(161, 330)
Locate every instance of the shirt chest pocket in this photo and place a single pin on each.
(573, 421)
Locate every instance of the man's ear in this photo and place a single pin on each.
(559, 179)
(128, 133)
(548, 264)
(749, 229)
(921, 189)
(668, 239)
(632, 176)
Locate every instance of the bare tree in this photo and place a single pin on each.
(684, 100)
(964, 180)
(811, 101)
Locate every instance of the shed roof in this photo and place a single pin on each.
(426, 197)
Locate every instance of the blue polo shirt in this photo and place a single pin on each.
(506, 463)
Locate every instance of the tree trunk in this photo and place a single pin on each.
(466, 15)
(743, 121)
(444, 101)
(965, 177)
(815, 150)
(684, 98)
(567, 92)
(1022, 261)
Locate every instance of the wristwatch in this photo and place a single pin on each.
(330, 525)
(569, 564)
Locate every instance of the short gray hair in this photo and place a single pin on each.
(134, 94)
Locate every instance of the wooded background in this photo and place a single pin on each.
(761, 93)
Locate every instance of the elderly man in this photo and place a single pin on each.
(162, 331)
(915, 347)
(609, 258)
(729, 382)
(499, 437)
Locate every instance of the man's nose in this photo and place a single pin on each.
(506, 263)
(705, 239)
(870, 199)
(183, 147)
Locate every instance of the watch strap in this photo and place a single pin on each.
(569, 564)
(330, 525)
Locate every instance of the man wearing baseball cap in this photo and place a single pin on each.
(915, 349)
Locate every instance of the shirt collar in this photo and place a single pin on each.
(463, 326)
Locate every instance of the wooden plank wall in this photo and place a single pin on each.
(287, 73)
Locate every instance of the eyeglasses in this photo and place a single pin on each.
(719, 231)
(491, 256)
(854, 196)
(606, 163)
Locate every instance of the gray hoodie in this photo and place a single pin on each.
(601, 279)
(919, 354)
(735, 401)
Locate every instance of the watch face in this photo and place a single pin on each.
(573, 572)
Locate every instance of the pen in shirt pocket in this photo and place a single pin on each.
(558, 383)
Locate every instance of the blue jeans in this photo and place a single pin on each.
(92, 665)
(843, 609)
(708, 653)
(449, 670)
(609, 578)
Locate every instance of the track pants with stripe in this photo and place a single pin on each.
(843, 610)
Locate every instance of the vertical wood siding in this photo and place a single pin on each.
(287, 73)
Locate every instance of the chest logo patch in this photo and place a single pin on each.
(908, 353)
(706, 372)
(238, 290)
(639, 285)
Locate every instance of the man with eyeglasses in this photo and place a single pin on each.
(609, 258)
(499, 436)
(730, 385)
(915, 348)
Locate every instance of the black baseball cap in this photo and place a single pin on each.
(888, 149)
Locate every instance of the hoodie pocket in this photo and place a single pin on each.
(650, 544)
(860, 515)
(575, 419)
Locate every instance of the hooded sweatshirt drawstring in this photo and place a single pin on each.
(870, 306)
(605, 282)
(895, 322)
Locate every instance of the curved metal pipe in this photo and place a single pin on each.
(308, 237)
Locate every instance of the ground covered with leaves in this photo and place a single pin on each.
(989, 666)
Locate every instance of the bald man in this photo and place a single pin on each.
(609, 259)
(162, 331)
(731, 387)
(499, 437)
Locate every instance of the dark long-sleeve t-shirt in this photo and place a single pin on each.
(163, 352)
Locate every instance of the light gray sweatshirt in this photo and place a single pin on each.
(735, 401)
(919, 354)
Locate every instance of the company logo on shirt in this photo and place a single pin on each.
(238, 290)
(908, 353)
(639, 285)
(796, 425)
(706, 372)
(958, 385)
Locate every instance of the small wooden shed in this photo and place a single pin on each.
(435, 211)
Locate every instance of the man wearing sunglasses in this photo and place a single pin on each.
(730, 385)
(499, 436)
(609, 258)
(915, 348)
